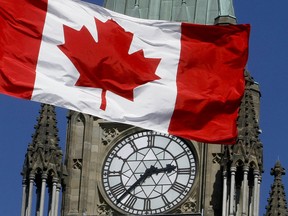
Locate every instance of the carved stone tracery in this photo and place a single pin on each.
(104, 209)
(108, 134)
(111, 130)
(77, 164)
(189, 206)
(217, 157)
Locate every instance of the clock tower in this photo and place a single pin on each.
(117, 169)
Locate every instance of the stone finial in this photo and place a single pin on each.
(277, 204)
(278, 170)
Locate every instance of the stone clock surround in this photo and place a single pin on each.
(88, 142)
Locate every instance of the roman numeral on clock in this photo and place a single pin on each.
(117, 189)
(133, 145)
(112, 173)
(178, 187)
(151, 140)
(130, 202)
(165, 200)
(184, 171)
(180, 155)
(147, 205)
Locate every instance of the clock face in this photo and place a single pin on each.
(148, 173)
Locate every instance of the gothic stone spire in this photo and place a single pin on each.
(43, 165)
(277, 204)
(44, 153)
(248, 150)
(242, 162)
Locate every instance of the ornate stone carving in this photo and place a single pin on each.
(108, 134)
(217, 157)
(111, 130)
(188, 207)
(77, 164)
(104, 209)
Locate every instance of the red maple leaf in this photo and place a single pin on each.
(106, 64)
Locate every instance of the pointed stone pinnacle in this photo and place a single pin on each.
(277, 204)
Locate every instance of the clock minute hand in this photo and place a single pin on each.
(148, 172)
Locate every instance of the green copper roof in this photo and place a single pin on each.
(195, 11)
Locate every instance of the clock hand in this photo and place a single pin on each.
(148, 173)
(169, 168)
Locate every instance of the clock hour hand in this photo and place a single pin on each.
(148, 173)
(169, 168)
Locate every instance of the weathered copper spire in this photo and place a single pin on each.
(226, 12)
(202, 12)
(277, 204)
(183, 14)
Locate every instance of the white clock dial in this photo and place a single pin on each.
(148, 173)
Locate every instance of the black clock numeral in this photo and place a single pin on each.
(165, 200)
(184, 171)
(117, 189)
(133, 145)
(178, 187)
(130, 202)
(180, 155)
(119, 157)
(113, 173)
(151, 140)
(147, 205)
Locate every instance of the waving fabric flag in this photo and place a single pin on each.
(178, 78)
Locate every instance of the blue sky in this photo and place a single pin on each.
(267, 63)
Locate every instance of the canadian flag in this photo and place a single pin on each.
(178, 78)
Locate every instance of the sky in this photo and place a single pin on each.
(267, 63)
